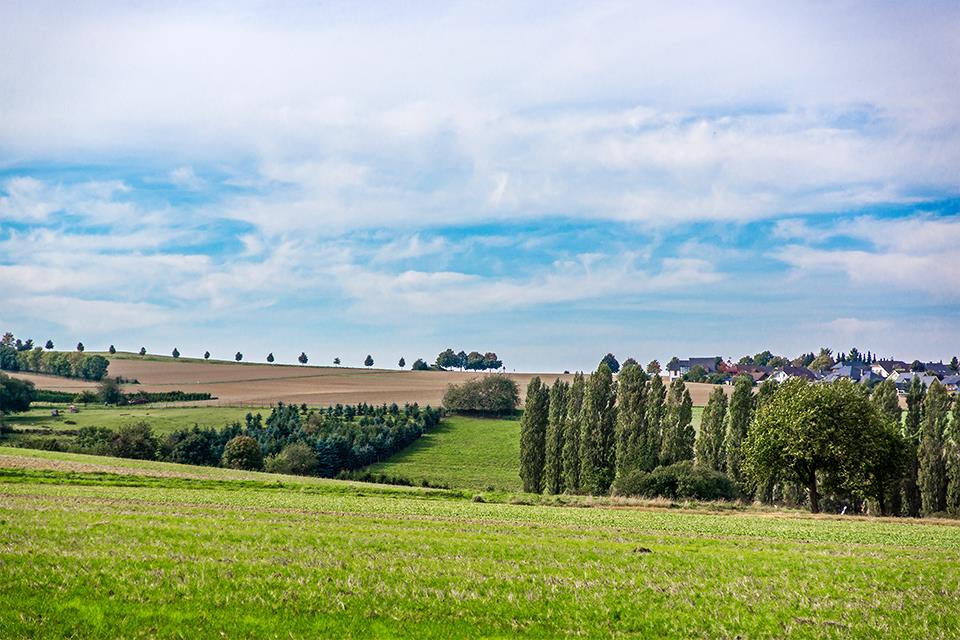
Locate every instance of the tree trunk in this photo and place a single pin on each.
(812, 488)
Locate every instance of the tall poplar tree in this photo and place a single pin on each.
(571, 438)
(631, 418)
(678, 432)
(710, 454)
(952, 451)
(533, 435)
(650, 447)
(597, 452)
(739, 415)
(884, 398)
(932, 473)
(553, 467)
(912, 433)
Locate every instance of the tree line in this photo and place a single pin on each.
(835, 445)
(321, 442)
(23, 356)
(473, 361)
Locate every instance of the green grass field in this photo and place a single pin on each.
(98, 555)
(464, 452)
(162, 419)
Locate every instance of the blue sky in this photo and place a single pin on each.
(551, 181)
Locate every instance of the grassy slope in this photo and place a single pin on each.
(463, 452)
(162, 419)
(85, 556)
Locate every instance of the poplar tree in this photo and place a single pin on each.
(710, 454)
(932, 473)
(884, 398)
(912, 434)
(952, 451)
(650, 447)
(597, 453)
(553, 466)
(739, 415)
(571, 434)
(678, 433)
(631, 418)
(533, 433)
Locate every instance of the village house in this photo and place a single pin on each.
(678, 368)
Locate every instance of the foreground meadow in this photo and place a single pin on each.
(95, 554)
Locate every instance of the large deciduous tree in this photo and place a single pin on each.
(809, 432)
(533, 435)
(710, 453)
(631, 418)
(611, 361)
(597, 452)
(553, 465)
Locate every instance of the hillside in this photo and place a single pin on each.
(257, 384)
(100, 548)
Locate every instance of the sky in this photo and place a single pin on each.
(551, 181)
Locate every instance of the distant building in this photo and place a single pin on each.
(854, 371)
(938, 369)
(784, 373)
(952, 382)
(905, 379)
(680, 368)
(886, 368)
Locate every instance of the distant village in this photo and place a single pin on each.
(866, 369)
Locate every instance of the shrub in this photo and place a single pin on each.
(242, 452)
(135, 441)
(489, 395)
(682, 480)
(15, 395)
(296, 458)
(85, 397)
(96, 440)
(197, 446)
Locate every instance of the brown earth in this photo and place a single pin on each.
(264, 384)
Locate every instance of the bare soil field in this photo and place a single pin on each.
(265, 384)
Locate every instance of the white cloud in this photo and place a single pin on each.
(185, 177)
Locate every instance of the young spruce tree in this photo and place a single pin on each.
(553, 467)
(571, 434)
(932, 473)
(597, 452)
(631, 418)
(533, 436)
(710, 454)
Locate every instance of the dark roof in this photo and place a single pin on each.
(710, 364)
(938, 368)
(798, 372)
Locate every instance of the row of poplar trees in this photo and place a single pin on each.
(579, 437)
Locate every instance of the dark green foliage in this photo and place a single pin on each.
(15, 395)
(238, 357)
(242, 452)
(368, 361)
(302, 358)
(206, 355)
(448, 359)
(143, 351)
(696, 374)
(932, 472)
(336, 361)
(597, 435)
(488, 395)
(952, 455)
(739, 414)
(112, 350)
(680, 481)
(678, 433)
(296, 458)
(402, 363)
(654, 367)
(95, 440)
(631, 427)
(199, 446)
(812, 432)
(175, 353)
(916, 393)
(764, 392)
(73, 365)
(611, 361)
(49, 346)
(109, 392)
(710, 453)
(649, 454)
(954, 363)
(553, 465)
(571, 434)
(884, 398)
(533, 436)
(85, 397)
(80, 346)
(420, 365)
(134, 441)
(270, 357)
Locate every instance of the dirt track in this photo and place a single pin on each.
(263, 384)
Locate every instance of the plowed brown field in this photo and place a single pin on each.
(264, 384)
